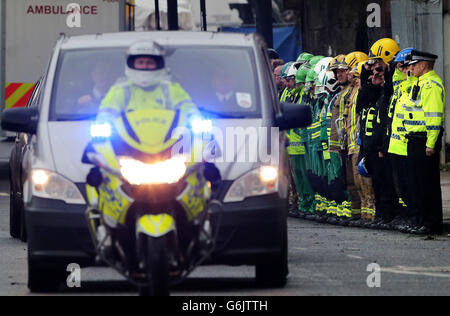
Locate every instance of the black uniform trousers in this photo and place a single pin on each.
(399, 166)
(386, 199)
(424, 183)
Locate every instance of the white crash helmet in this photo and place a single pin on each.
(292, 71)
(322, 64)
(328, 80)
(145, 78)
(320, 87)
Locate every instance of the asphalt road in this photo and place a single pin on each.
(323, 260)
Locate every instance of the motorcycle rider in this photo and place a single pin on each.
(148, 85)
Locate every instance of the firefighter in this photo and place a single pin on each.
(373, 104)
(423, 121)
(356, 185)
(336, 143)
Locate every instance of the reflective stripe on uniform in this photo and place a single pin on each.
(414, 123)
(434, 114)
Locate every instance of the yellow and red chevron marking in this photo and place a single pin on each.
(17, 94)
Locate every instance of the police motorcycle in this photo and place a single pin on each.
(149, 206)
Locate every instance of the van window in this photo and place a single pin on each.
(220, 80)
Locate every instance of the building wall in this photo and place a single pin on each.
(425, 26)
(334, 27)
(446, 66)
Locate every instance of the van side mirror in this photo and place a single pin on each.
(294, 116)
(21, 120)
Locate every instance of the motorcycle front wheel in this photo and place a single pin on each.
(157, 267)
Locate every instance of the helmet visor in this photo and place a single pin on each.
(145, 62)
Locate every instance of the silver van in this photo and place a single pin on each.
(228, 77)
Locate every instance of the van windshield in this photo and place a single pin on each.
(221, 81)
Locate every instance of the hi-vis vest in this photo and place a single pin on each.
(127, 96)
(353, 147)
(296, 95)
(336, 143)
(426, 113)
(284, 95)
(296, 146)
(397, 142)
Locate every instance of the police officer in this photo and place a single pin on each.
(424, 117)
(147, 85)
(397, 143)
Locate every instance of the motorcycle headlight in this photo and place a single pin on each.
(50, 185)
(165, 172)
(261, 181)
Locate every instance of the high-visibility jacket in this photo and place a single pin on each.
(296, 143)
(314, 128)
(284, 95)
(398, 143)
(426, 113)
(303, 132)
(351, 122)
(398, 78)
(353, 129)
(295, 95)
(128, 96)
(335, 142)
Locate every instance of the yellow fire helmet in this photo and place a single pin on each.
(338, 62)
(385, 49)
(357, 69)
(354, 58)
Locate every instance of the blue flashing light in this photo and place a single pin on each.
(100, 130)
(201, 126)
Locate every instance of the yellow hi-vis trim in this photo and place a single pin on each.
(92, 195)
(155, 225)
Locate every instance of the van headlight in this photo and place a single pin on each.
(261, 181)
(50, 185)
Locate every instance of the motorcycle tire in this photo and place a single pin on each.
(157, 268)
